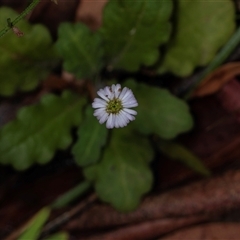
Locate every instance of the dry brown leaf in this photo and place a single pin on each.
(229, 96)
(217, 79)
(54, 82)
(207, 198)
(216, 231)
(55, 1)
(146, 230)
(90, 12)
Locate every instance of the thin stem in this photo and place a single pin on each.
(62, 201)
(19, 17)
(217, 61)
(71, 195)
(66, 216)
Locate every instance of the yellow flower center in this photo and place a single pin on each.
(114, 106)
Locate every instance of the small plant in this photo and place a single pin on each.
(133, 34)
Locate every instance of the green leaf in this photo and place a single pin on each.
(134, 30)
(159, 111)
(203, 27)
(35, 225)
(58, 236)
(71, 195)
(123, 175)
(80, 48)
(92, 137)
(182, 154)
(39, 130)
(24, 61)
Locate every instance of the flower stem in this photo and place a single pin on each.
(216, 62)
(18, 18)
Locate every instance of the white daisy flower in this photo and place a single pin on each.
(113, 106)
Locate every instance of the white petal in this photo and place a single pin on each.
(123, 115)
(114, 120)
(130, 111)
(99, 112)
(130, 104)
(102, 94)
(118, 121)
(109, 123)
(106, 90)
(117, 90)
(103, 118)
(113, 88)
(108, 93)
(122, 120)
(99, 103)
(129, 98)
(129, 116)
(128, 94)
(99, 100)
(122, 94)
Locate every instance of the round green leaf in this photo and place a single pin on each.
(26, 60)
(159, 111)
(203, 27)
(92, 137)
(134, 30)
(123, 175)
(80, 48)
(40, 130)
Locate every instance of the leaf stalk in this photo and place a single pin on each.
(19, 17)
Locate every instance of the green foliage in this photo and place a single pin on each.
(27, 60)
(180, 153)
(70, 195)
(36, 224)
(58, 236)
(130, 37)
(39, 130)
(34, 227)
(202, 28)
(80, 49)
(123, 175)
(160, 112)
(92, 137)
(134, 30)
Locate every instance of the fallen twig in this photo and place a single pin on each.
(207, 231)
(147, 230)
(52, 225)
(55, 223)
